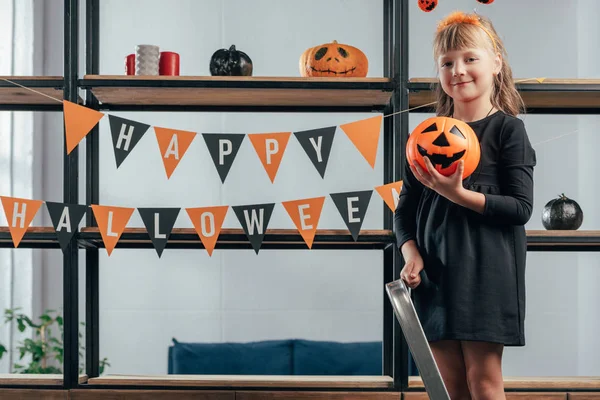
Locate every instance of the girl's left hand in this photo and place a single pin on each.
(448, 186)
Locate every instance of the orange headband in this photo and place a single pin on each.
(459, 17)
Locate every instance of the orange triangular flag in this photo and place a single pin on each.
(389, 193)
(111, 222)
(208, 222)
(19, 214)
(305, 214)
(79, 121)
(365, 136)
(270, 148)
(172, 144)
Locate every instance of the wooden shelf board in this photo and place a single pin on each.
(49, 85)
(225, 381)
(238, 91)
(551, 93)
(549, 382)
(35, 379)
(133, 237)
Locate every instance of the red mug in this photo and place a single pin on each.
(130, 64)
(168, 63)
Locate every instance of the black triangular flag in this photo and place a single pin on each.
(317, 144)
(353, 207)
(254, 220)
(125, 135)
(223, 147)
(159, 223)
(65, 219)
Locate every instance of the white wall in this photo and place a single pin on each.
(333, 295)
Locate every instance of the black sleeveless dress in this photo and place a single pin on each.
(473, 283)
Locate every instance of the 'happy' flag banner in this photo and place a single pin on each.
(207, 221)
(222, 147)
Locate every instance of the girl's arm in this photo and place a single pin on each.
(405, 219)
(517, 159)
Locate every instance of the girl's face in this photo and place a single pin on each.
(468, 74)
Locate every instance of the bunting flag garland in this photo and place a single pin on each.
(208, 222)
(125, 135)
(65, 220)
(305, 214)
(223, 148)
(390, 194)
(79, 121)
(111, 222)
(159, 223)
(19, 214)
(317, 144)
(254, 220)
(173, 145)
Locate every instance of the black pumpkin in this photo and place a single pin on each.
(562, 213)
(230, 62)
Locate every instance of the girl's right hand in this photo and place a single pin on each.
(411, 271)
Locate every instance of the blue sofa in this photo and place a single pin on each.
(276, 357)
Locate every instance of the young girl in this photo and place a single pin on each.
(463, 242)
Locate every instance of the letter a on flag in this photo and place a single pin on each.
(173, 144)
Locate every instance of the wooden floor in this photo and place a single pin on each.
(190, 387)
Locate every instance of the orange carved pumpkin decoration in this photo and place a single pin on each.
(445, 141)
(334, 60)
(427, 5)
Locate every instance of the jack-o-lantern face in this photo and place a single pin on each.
(445, 141)
(427, 5)
(334, 60)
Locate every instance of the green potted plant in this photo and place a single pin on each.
(45, 347)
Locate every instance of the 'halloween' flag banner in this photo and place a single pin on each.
(19, 214)
(125, 135)
(79, 121)
(305, 214)
(159, 223)
(352, 207)
(390, 193)
(65, 220)
(111, 222)
(207, 222)
(223, 148)
(317, 144)
(172, 144)
(365, 136)
(254, 220)
(270, 148)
